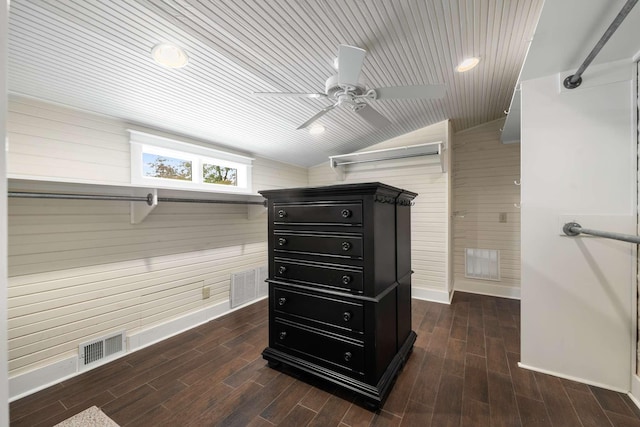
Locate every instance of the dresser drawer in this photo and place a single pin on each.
(332, 276)
(336, 245)
(318, 213)
(323, 310)
(328, 348)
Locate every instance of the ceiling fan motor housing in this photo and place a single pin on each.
(331, 87)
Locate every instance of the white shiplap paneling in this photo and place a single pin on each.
(79, 269)
(483, 187)
(4, 407)
(429, 215)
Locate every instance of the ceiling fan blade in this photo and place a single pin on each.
(372, 116)
(290, 94)
(411, 92)
(317, 116)
(350, 59)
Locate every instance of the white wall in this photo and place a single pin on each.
(79, 269)
(430, 233)
(579, 162)
(483, 186)
(4, 389)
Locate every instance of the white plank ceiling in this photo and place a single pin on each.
(94, 55)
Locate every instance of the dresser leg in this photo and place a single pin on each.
(273, 364)
(372, 405)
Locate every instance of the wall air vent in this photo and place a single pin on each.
(248, 285)
(482, 264)
(261, 276)
(101, 349)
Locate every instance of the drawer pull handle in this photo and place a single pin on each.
(283, 335)
(346, 316)
(282, 301)
(346, 246)
(282, 269)
(282, 241)
(346, 213)
(347, 356)
(346, 279)
(282, 213)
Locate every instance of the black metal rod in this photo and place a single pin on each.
(574, 80)
(223, 202)
(575, 229)
(148, 198)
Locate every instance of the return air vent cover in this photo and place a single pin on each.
(102, 348)
(482, 264)
(261, 276)
(248, 285)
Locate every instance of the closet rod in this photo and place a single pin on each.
(148, 198)
(574, 80)
(222, 202)
(575, 229)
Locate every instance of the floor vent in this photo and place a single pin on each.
(482, 264)
(248, 285)
(101, 349)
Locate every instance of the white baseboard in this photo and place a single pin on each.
(484, 288)
(29, 382)
(154, 334)
(433, 295)
(38, 379)
(572, 378)
(634, 394)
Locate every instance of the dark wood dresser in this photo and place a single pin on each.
(340, 284)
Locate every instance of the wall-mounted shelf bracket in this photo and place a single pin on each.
(139, 211)
(339, 162)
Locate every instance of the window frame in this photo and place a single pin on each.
(199, 155)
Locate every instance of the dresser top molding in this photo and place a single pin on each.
(368, 188)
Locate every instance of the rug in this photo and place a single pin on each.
(92, 417)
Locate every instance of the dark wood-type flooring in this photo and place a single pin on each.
(462, 372)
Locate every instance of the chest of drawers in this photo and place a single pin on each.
(340, 284)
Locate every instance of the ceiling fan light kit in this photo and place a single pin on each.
(345, 89)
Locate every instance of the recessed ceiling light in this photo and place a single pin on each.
(169, 55)
(316, 129)
(467, 64)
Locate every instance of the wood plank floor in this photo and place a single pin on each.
(463, 372)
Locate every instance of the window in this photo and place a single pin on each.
(158, 166)
(216, 174)
(165, 163)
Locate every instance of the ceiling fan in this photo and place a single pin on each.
(345, 89)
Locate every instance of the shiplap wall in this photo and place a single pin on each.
(79, 269)
(483, 186)
(4, 388)
(429, 215)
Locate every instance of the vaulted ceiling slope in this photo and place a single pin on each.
(95, 55)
